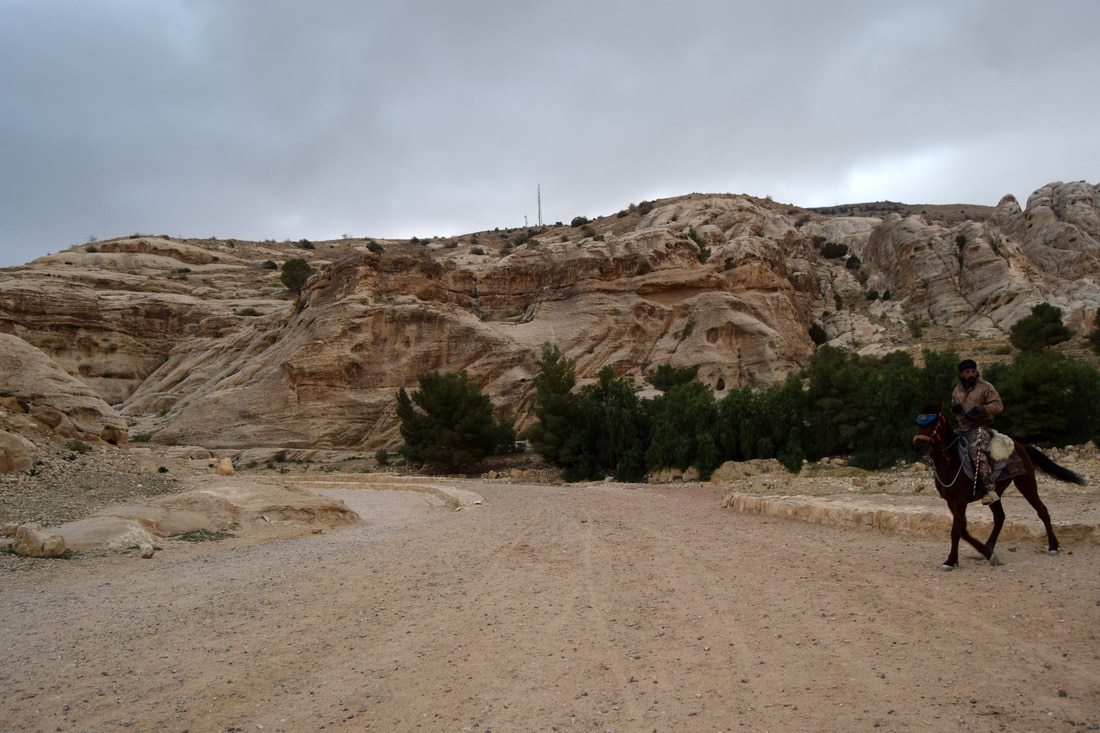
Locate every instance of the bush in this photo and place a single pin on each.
(295, 274)
(666, 376)
(504, 437)
(375, 247)
(78, 446)
(1041, 329)
(578, 221)
(1093, 337)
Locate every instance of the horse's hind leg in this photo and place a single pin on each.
(1027, 486)
(998, 524)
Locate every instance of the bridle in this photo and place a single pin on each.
(937, 442)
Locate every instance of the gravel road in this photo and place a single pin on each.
(597, 607)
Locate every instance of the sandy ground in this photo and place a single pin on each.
(555, 608)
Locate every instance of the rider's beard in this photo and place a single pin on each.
(970, 382)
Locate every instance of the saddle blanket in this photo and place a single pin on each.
(1004, 460)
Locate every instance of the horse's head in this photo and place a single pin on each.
(932, 429)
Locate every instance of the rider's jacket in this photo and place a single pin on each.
(982, 395)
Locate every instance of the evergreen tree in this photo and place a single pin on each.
(611, 434)
(1048, 397)
(736, 433)
(555, 407)
(888, 398)
(1041, 329)
(448, 422)
(938, 377)
(683, 427)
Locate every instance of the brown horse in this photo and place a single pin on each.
(935, 438)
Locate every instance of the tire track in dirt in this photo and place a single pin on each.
(592, 607)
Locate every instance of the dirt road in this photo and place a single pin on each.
(555, 608)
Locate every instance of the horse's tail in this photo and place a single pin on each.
(1050, 468)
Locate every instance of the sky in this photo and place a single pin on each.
(287, 119)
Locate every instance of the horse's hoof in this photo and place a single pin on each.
(994, 560)
(1052, 553)
(947, 568)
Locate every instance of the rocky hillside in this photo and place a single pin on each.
(198, 341)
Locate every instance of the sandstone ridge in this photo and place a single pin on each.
(198, 342)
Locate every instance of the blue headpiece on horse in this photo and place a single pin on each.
(926, 419)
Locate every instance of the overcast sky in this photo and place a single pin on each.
(312, 119)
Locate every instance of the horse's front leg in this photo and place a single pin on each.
(959, 532)
(958, 528)
(986, 549)
(998, 523)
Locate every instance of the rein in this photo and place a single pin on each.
(935, 446)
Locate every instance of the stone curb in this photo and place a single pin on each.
(455, 497)
(917, 520)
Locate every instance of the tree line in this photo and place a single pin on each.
(841, 404)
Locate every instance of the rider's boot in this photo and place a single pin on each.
(988, 496)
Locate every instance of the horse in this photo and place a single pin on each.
(957, 489)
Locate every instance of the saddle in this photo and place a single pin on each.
(1003, 458)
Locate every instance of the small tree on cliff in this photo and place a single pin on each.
(295, 273)
(1041, 329)
(448, 422)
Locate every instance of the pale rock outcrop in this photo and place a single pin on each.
(16, 452)
(220, 508)
(32, 378)
(983, 277)
(33, 541)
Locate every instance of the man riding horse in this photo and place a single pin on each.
(975, 403)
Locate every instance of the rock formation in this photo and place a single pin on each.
(198, 341)
(30, 382)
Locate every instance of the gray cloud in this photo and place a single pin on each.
(287, 120)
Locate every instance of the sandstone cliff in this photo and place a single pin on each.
(198, 341)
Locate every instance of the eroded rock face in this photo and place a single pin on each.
(983, 277)
(372, 323)
(59, 401)
(198, 341)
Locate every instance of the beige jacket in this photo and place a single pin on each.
(982, 395)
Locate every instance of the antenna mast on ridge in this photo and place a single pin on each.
(540, 205)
